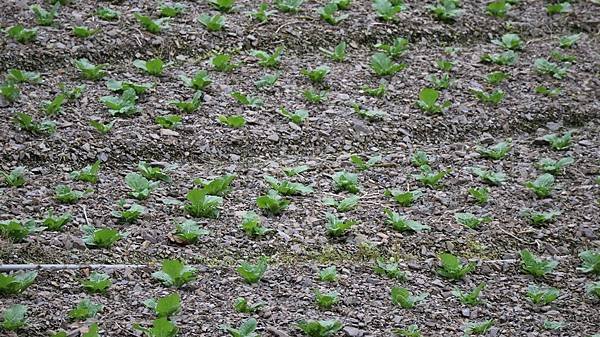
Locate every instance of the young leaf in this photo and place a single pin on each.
(166, 306)
(14, 317)
(402, 224)
(405, 299)
(312, 328)
(202, 205)
(536, 266)
(272, 203)
(16, 283)
(85, 309)
(252, 273)
(542, 186)
(100, 238)
(175, 273)
(452, 268)
(471, 298)
(97, 283)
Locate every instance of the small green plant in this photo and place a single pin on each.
(444, 65)
(191, 105)
(559, 8)
(509, 41)
(369, 114)
(378, 91)
(289, 6)
(546, 67)
(171, 10)
(491, 98)
(550, 92)
(327, 328)
(542, 186)
(287, 187)
(559, 143)
(296, 170)
(498, 8)
(506, 58)
(553, 325)
(218, 186)
(431, 178)
(386, 10)
(445, 10)
(14, 317)
(536, 266)
(247, 100)
(266, 59)
(201, 204)
(542, 296)
(263, 13)
(72, 93)
(93, 331)
(166, 306)
(480, 194)
(224, 6)
(242, 305)
(251, 225)
(56, 222)
(16, 283)
(10, 92)
(168, 121)
(188, 232)
(18, 231)
(14, 178)
(389, 268)
(140, 186)
(85, 309)
(246, 329)
(471, 298)
(404, 198)
(297, 117)
(223, 63)
(554, 167)
(314, 96)
(200, 81)
(489, 177)
(326, 300)
(175, 273)
(328, 274)
(17, 76)
(53, 107)
(153, 66)
(428, 101)
(150, 25)
(108, 14)
(470, 220)
(383, 65)
(363, 165)
(328, 14)
(452, 268)
(337, 227)
(495, 152)
(590, 262)
(316, 75)
(152, 172)
(212, 23)
(440, 83)
(405, 299)
(410, 331)
(346, 181)
(100, 238)
(44, 17)
(97, 283)
(479, 328)
(90, 71)
(252, 273)
(568, 41)
(21, 34)
(337, 54)
(593, 289)
(233, 121)
(402, 224)
(102, 128)
(397, 48)
(67, 195)
(84, 32)
(496, 77)
(267, 80)
(343, 205)
(539, 218)
(128, 215)
(88, 173)
(161, 327)
(272, 203)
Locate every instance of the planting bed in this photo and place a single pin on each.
(299, 245)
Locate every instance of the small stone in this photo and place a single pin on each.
(353, 332)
